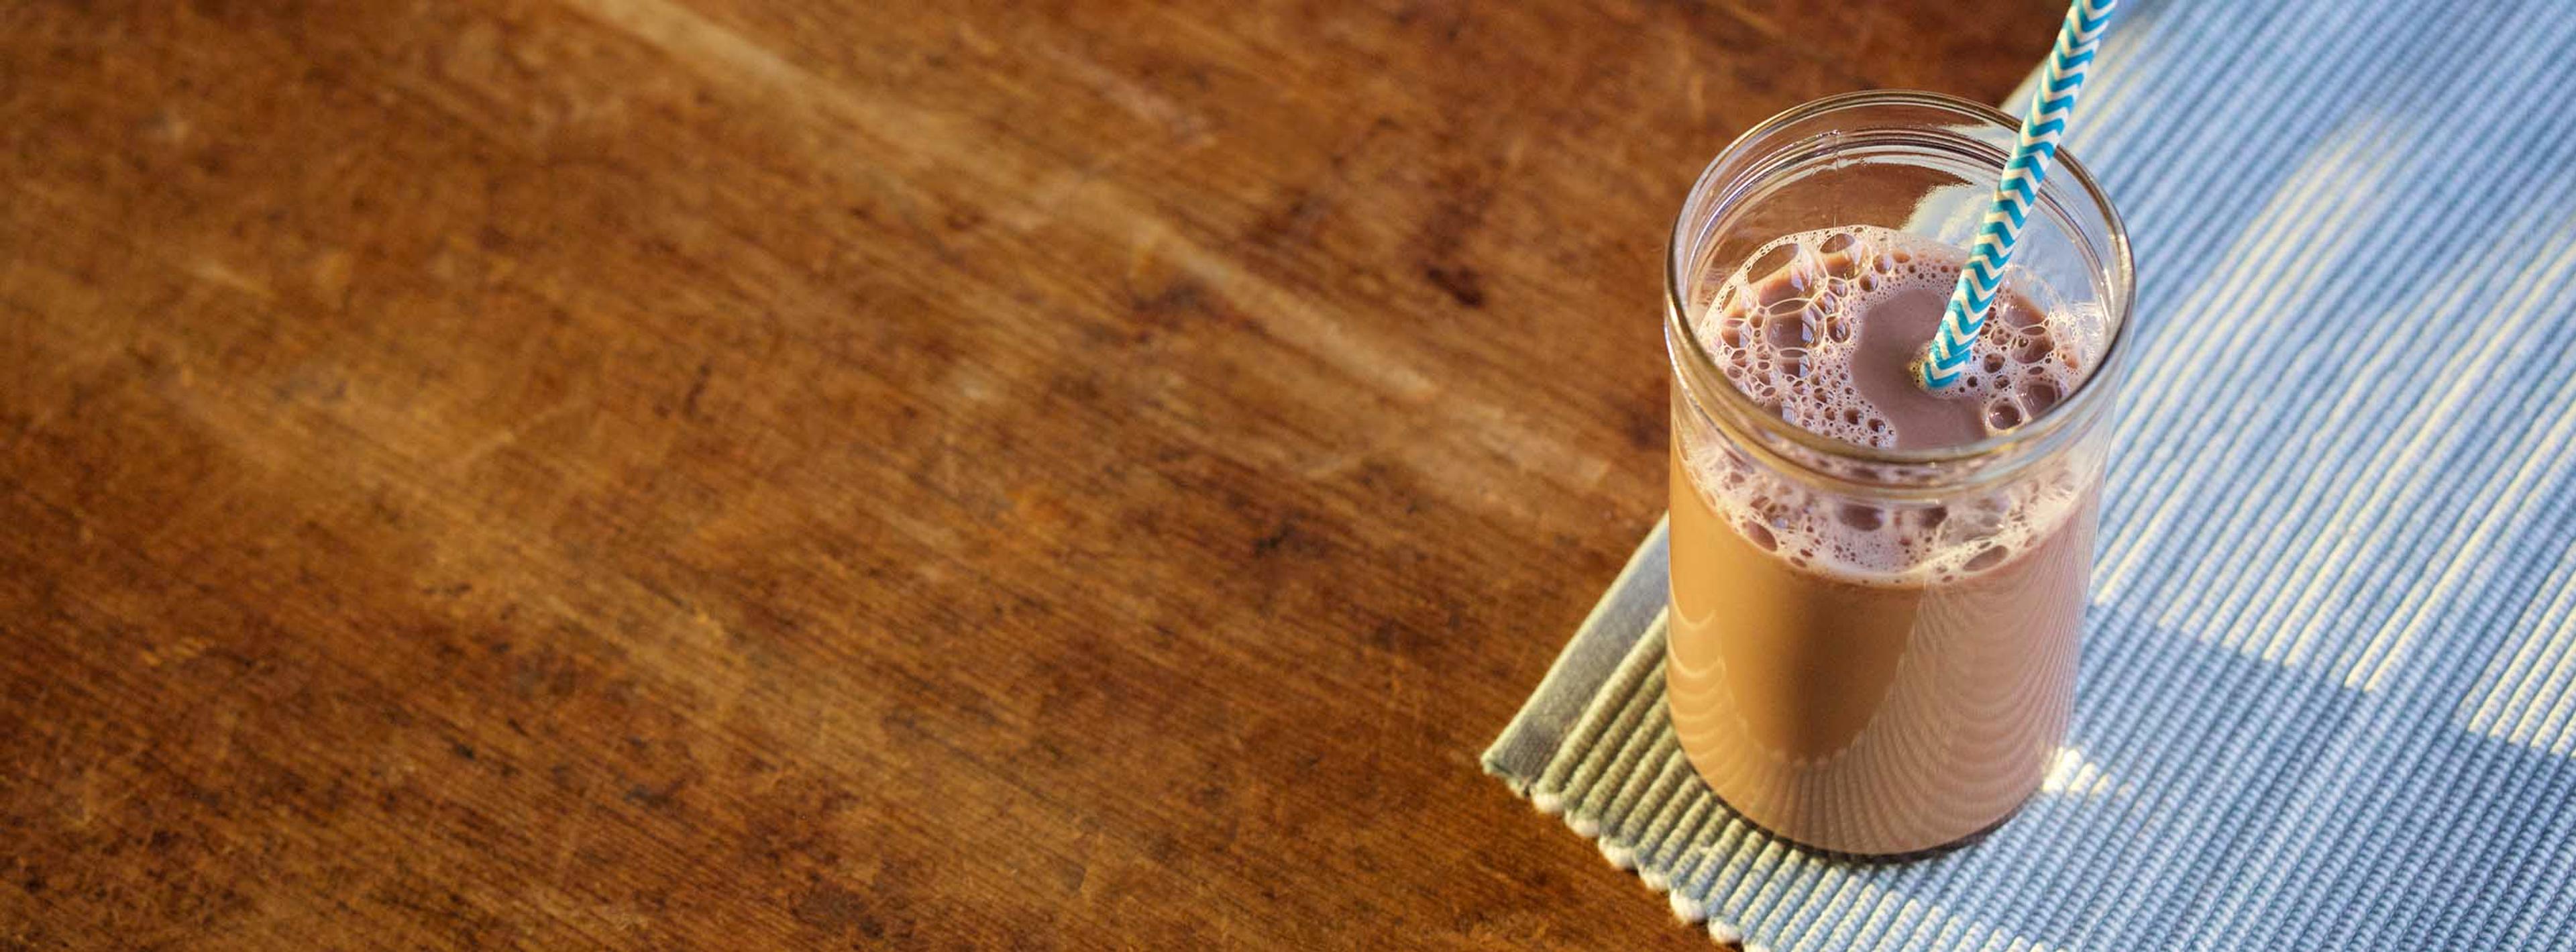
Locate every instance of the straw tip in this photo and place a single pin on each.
(1929, 379)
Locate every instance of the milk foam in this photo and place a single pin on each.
(1782, 329)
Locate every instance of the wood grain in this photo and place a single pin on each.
(647, 473)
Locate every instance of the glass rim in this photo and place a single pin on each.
(2122, 279)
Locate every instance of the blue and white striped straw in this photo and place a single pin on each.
(2051, 105)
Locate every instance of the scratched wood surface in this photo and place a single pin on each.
(689, 473)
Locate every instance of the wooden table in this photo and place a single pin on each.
(701, 474)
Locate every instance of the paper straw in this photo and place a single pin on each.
(2051, 105)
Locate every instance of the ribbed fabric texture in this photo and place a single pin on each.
(2328, 695)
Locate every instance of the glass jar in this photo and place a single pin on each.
(1872, 651)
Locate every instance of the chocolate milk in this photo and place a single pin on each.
(1868, 675)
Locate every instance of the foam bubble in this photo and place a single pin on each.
(2003, 413)
(2039, 394)
(1783, 329)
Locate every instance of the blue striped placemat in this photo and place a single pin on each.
(2328, 695)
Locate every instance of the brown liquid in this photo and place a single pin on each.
(1861, 717)
(1873, 709)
